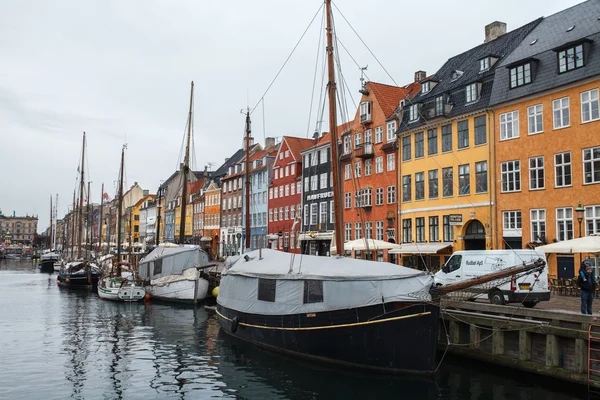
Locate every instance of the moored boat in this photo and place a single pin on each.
(48, 261)
(79, 274)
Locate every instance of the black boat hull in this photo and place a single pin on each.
(393, 338)
(76, 281)
(47, 265)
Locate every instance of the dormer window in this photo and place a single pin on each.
(484, 64)
(439, 105)
(425, 87)
(456, 74)
(413, 113)
(365, 112)
(472, 92)
(520, 75)
(570, 58)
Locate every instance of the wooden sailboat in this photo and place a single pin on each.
(352, 312)
(173, 273)
(81, 272)
(119, 285)
(50, 257)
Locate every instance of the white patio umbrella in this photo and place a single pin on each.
(586, 244)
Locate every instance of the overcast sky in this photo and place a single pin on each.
(121, 71)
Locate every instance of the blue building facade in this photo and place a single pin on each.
(260, 175)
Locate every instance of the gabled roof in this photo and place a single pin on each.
(462, 70)
(234, 159)
(388, 96)
(325, 138)
(297, 145)
(541, 46)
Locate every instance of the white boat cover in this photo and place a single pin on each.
(190, 274)
(165, 261)
(347, 283)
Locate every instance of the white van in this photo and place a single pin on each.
(528, 289)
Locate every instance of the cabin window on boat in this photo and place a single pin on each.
(313, 292)
(158, 266)
(266, 289)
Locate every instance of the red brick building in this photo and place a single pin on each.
(368, 164)
(285, 194)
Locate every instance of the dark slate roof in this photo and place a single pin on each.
(552, 33)
(468, 63)
(223, 169)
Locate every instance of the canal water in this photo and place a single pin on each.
(58, 344)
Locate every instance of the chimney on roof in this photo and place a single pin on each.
(494, 31)
(419, 76)
(269, 142)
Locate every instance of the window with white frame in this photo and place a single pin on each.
(592, 220)
(281, 191)
(561, 113)
(292, 170)
(287, 190)
(280, 214)
(270, 215)
(481, 178)
(286, 213)
(511, 176)
(306, 214)
(323, 156)
(379, 196)
(379, 164)
(313, 213)
(413, 113)
(589, 106)
(314, 182)
(368, 136)
(357, 140)
(520, 75)
(379, 134)
(378, 230)
(275, 214)
(472, 92)
(324, 181)
(347, 171)
(368, 167)
(448, 229)
(347, 200)
(323, 212)
(292, 189)
(368, 229)
(591, 165)
(391, 194)
(348, 231)
(365, 111)
(509, 125)
(358, 230)
(390, 162)
(331, 212)
(464, 179)
(314, 158)
(420, 229)
(425, 87)
(564, 223)
(538, 225)
(292, 212)
(535, 120)
(347, 144)
(357, 169)
(287, 170)
(512, 223)
(562, 169)
(536, 173)
(434, 229)
(306, 184)
(484, 64)
(391, 131)
(298, 188)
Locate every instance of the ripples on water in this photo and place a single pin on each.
(57, 344)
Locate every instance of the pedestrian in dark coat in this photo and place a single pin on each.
(587, 283)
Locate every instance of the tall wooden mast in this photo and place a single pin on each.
(247, 180)
(120, 212)
(88, 222)
(100, 220)
(185, 170)
(331, 86)
(81, 188)
(73, 216)
(50, 244)
(159, 193)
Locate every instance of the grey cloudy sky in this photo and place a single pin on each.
(120, 70)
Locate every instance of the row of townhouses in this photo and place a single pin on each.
(500, 148)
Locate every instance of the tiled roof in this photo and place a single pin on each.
(549, 34)
(467, 64)
(325, 138)
(297, 145)
(388, 96)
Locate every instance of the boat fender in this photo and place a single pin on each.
(234, 324)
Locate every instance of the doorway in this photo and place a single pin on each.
(565, 267)
(474, 236)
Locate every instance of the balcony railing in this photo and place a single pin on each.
(364, 151)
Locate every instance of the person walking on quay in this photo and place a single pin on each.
(587, 283)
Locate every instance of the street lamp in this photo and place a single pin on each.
(579, 212)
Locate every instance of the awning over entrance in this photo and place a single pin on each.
(315, 236)
(421, 248)
(206, 238)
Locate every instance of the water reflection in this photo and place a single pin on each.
(63, 343)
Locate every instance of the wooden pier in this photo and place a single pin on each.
(550, 343)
